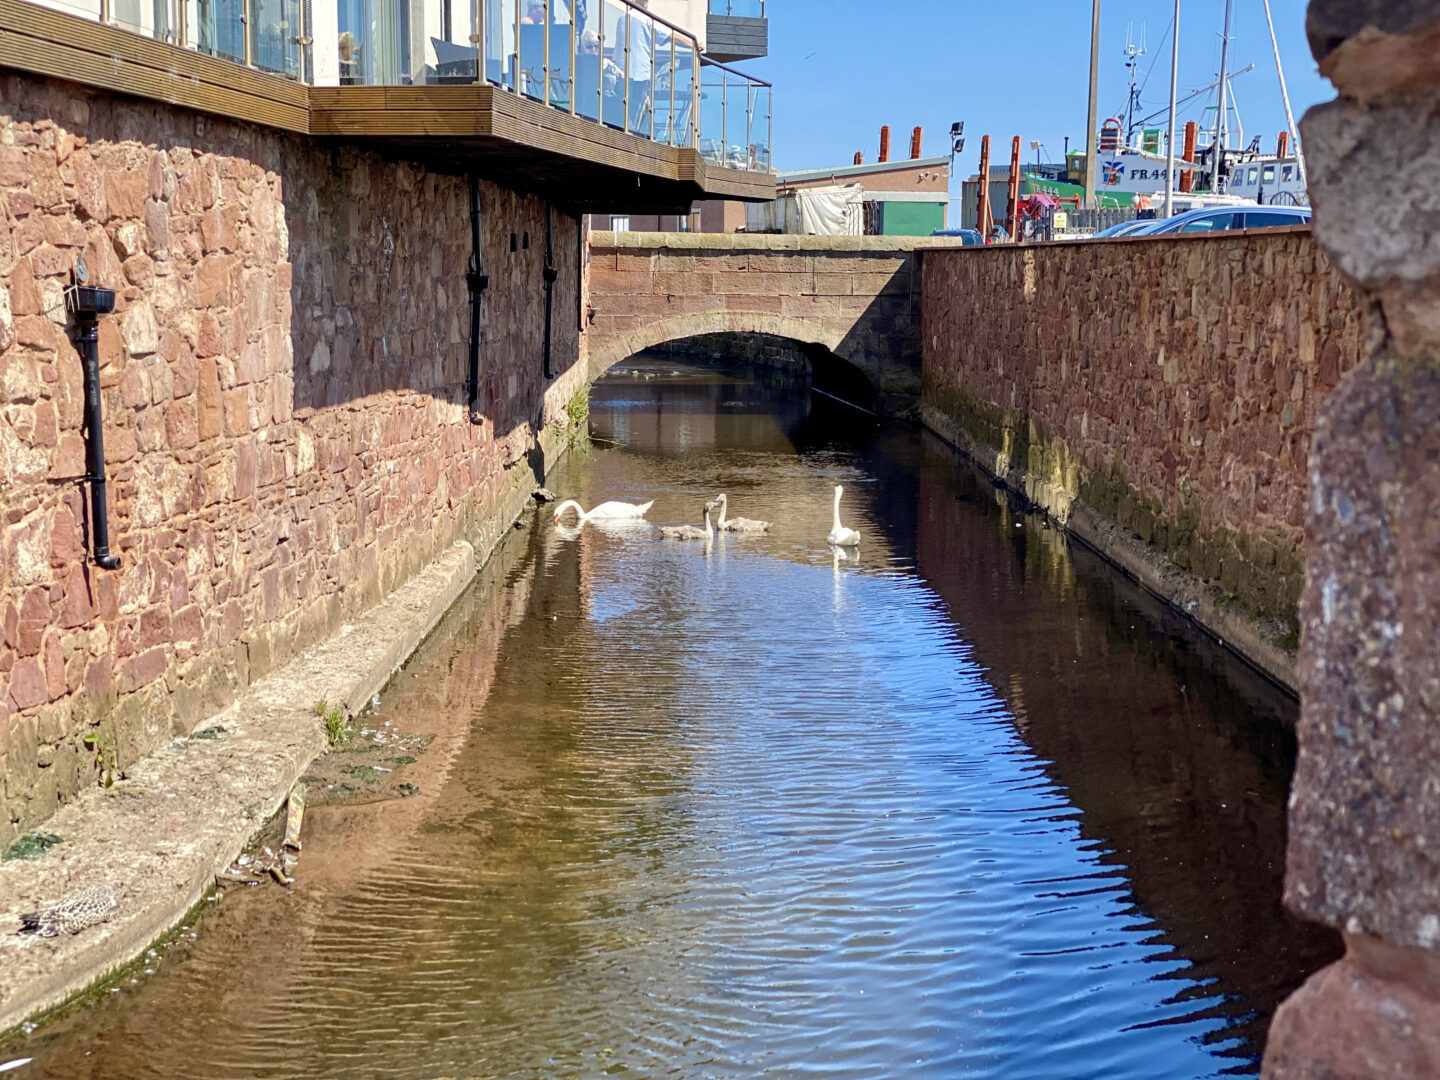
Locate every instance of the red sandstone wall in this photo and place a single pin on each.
(1196, 365)
(285, 424)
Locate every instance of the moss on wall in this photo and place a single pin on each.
(1255, 573)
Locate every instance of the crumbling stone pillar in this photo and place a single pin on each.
(1364, 851)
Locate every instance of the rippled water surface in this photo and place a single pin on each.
(965, 806)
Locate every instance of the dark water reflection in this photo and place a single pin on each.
(967, 806)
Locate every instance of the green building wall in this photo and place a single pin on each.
(911, 218)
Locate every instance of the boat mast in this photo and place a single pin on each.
(1132, 63)
(1221, 119)
(1090, 155)
(1285, 97)
(1170, 131)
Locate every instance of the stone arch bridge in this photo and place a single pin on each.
(846, 301)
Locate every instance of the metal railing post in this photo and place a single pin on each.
(574, 50)
(670, 119)
(477, 36)
(545, 63)
(247, 19)
(625, 123)
(695, 87)
(516, 75)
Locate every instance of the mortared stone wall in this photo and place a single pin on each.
(1170, 384)
(286, 429)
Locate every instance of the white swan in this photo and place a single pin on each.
(606, 511)
(839, 535)
(739, 524)
(689, 532)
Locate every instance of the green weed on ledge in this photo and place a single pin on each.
(337, 725)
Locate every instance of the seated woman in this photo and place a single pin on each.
(593, 74)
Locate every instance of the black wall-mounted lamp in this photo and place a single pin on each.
(87, 303)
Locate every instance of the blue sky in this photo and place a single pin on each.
(842, 68)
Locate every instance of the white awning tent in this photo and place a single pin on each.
(821, 211)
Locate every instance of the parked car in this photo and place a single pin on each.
(1219, 218)
(1125, 228)
(969, 236)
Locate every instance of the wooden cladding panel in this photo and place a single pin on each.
(729, 38)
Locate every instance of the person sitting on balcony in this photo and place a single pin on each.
(534, 14)
(349, 61)
(611, 75)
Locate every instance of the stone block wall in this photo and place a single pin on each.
(1172, 385)
(286, 429)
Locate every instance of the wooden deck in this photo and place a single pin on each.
(526, 145)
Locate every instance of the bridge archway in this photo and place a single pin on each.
(853, 300)
(825, 369)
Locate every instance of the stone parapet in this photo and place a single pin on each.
(766, 242)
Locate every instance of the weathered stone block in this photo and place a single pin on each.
(1369, 661)
(125, 193)
(27, 685)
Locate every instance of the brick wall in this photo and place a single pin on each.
(1171, 384)
(285, 421)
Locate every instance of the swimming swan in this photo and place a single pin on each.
(606, 511)
(688, 532)
(839, 535)
(739, 524)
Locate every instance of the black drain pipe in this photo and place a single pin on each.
(550, 274)
(477, 281)
(87, 303)
(579, 274)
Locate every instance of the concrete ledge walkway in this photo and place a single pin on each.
(184, 813)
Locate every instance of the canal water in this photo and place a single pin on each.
(966, 805)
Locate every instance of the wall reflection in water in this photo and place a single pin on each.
(965, 804)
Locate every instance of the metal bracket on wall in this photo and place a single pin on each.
(550, 275)
(477, 281)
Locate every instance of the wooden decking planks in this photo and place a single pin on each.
(63, 46)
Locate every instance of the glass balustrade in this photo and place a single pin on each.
(685, 61)
(602, 60)
(758, 118)
(626, 45)
(745, 9)
(734, 119)
(497, 30)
